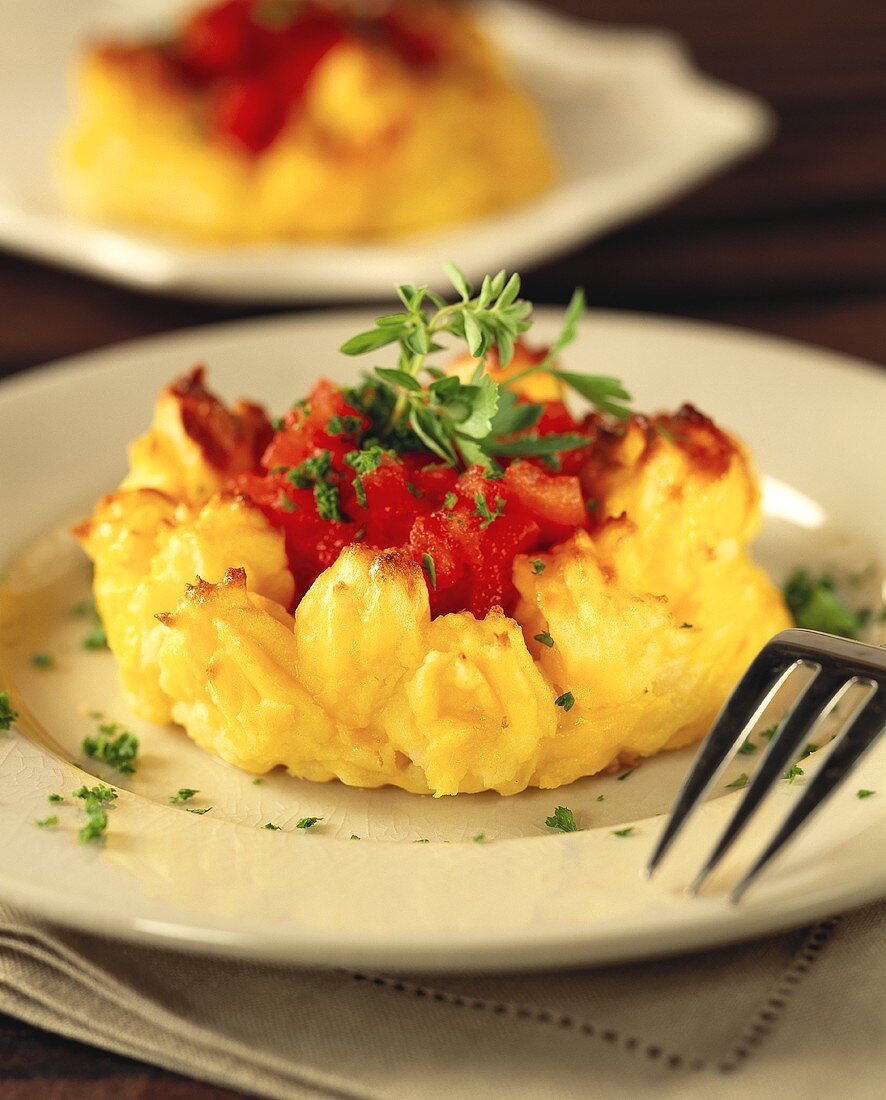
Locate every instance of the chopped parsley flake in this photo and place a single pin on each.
(480, 838)
(272, 826)
(8, 714)
(114, 746)
(198, 809)
(316, 473)
(414, 490)
(815, 605)
(562, 819)
(257, 782)
(864, 793)
(591, 504)
(55, 798)
(450, 501)
(46, 822)
(768, 734)
(354, 836)
(95, 801)
(545, 639)
(793, 772)
(808, 751)
(600, 798)
(686, 626)
(307, 822)
(344, 425)
(430, 568)
(624, 775)
(626, 831)
(747, 749)
(537, 566)
(737, 784)
(286, 502)
(96, 638)
(81, 609)
(182, 795)
(482, 509)
(566, 700)
(43, 660)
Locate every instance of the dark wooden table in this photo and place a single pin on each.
(792, 242)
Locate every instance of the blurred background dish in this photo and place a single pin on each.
(630, 121)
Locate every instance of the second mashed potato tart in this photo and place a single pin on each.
(284, 119)
(440, 579)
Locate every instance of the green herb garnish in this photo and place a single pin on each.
(537, 566)
(46, 822)
(566, 700)
(464, 423)
(198, 809)
(8, 713)
(43, 660)
(272, 826)
(482, 509)
(55, 798)
(815, 605)
(737, 784)
(430, 568)
(114, 746)
(747, 749)
(793, 772)
(562, 819)
(96, 638)
(545, 639)
(182, 795)
(626, 831)
(864, 793)
(95, 802)
(307, 822)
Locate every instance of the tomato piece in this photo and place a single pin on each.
(555, 502)
(220, 41)
(250, 113)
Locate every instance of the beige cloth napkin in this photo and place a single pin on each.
(800, 1015)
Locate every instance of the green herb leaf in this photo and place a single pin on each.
(815, 605)
(113, 746)
(307, 822)
(747, 749)
(482, 509)
(864, 793)
(8, 713)
(201, 810)
(46, 822)
(43, 660)
(182, 795)
(272, 826)
(430, 569)
(566, 700)
(737, 784)
(793, 772)
(538, 566)
(562, 819)
(545, 639)
(96, 638)
(623, 832)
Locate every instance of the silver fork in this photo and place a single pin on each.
(834, 665)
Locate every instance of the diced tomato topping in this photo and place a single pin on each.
(470, 524)
(256, 58)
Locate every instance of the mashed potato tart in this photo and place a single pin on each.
(440, 579)
(279, 119)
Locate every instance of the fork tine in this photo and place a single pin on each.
(764, 677)
(809, 706)
(865, 728)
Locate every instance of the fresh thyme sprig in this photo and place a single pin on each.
(466, 423)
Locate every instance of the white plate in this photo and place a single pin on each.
(527, 898)
(633, 123)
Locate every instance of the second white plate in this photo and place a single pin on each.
(633, 123)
